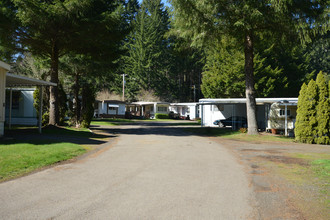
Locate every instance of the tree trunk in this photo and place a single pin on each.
(53, 90)
(76, 97)
(251, 107)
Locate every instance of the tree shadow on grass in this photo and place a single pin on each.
(52, 135)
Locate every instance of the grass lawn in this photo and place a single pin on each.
(110, 121)
(228, 133)
(18, 158)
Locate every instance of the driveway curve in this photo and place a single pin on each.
(150, 171)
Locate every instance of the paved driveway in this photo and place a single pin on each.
(147, 172)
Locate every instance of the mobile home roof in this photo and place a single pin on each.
(243, 100)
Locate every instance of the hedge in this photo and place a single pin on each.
(161, 116)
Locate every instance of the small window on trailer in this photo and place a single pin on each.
(282, 112)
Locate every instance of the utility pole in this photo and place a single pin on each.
(194, 93)
(123, 87)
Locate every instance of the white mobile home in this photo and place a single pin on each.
(215, 109)
(186, 110)
(148, 109)
(8, 80)
(282, 116)
(110, 109)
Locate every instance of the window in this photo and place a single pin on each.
(282, 112)
(112, 108)
(162, 109)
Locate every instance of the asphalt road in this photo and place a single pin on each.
(147, 172)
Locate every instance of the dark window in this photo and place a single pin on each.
(282, 112)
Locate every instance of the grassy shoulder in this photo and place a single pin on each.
(18, 158)
(231, 134)
(309, 174)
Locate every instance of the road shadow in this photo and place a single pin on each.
(163, 128)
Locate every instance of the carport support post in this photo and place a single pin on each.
(40, 109)
(155, 110)
(202, 115)
(286, 120)
(10, 106)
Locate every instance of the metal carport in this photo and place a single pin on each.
(8, 80)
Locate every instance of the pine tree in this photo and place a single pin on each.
(203, 21)
(53, 28)
(145, 63)
(301, 124)
(322, 111)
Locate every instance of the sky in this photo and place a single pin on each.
(164, 1)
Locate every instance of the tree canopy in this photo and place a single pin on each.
(203, 21)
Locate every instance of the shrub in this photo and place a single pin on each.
(322, 111)
(312, 125)
(243, 130)
(161, 116)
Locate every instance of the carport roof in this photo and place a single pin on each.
(243, 100)
(149, 103)
(185, 104)
(16, 80)
(4, 65)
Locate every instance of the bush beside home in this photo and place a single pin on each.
(313, 113)
(161, 116)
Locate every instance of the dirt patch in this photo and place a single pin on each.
(271, 151)
(275, 196)
(285, 159)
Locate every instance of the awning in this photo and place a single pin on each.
(22, 81)
(113, 106)
(15, 80)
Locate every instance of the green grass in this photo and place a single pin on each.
(18, 158)
(156, 119)
(321, 168)
(110, 121)
(313, 177)
(228, 133)
(55, 144)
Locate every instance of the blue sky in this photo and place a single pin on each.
(164, 1)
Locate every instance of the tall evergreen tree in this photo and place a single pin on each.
(8, 27)
(224, 72)
(187, 65)
(203, 20)
(53, 28)
(322, 111)
(145, 63)
(318, 53)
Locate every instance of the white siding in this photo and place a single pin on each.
(212, 113)
(102, 109)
